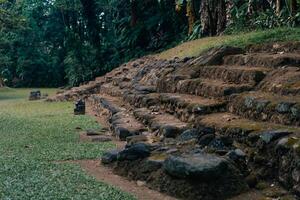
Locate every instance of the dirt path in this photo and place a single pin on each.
(101, 173)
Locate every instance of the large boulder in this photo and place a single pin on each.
(197, 166)
(110, 156)
(79, 107)
(135, 152)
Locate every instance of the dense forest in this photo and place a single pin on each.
(67, 42)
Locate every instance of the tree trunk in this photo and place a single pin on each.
(93, 26)
(213, 17)
(190, 12)
(1, 82)
(278, 7)
(134, 17)
(293, 6)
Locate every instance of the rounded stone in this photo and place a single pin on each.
(203, 166)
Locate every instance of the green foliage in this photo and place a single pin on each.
(59, 42)
(34, 137)
(69, 42)
(264, 16)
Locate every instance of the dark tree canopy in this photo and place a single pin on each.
(59, 42)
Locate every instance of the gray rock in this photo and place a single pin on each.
(205, 130)
(284, 107)
(217, 144)
(249, 102)
(189, 135)
(109, 157)
(169, 131)
(200, 166)
(296, 111)
(261, 105)
(134, 152)
(206, 139)
(270, 136)
(122, 133)
(236, 154)
(79, 107)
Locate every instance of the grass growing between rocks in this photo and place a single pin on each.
(196, 47)
(33, 137)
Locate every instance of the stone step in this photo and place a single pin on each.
(272, 149)
(168, 125)
(210, 88)
(267, 107)
(283, 81)
(111, 90)
(112, 104)
(185, 107)
(272, 60)
(122, 122)
(232, 74)
(238, 127)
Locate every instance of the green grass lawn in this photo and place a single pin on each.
(33, 136)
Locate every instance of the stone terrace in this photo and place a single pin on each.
(209, 127)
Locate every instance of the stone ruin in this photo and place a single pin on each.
(35, 95)
(210, 127)
(79, 107)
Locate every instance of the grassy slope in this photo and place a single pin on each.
(194, 48)
(33, 135)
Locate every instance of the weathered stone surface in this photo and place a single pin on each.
(266, 60)
(267, 107)
(136, 139)
(134, 152)
(169, 131)
(79, 107)
(236, 154)
(206, 139)
(189, 135)
(122, 133)
(270, 136)
(197, 166)
(215, 56)
(110, 157)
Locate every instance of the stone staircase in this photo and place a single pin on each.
(209, 127)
